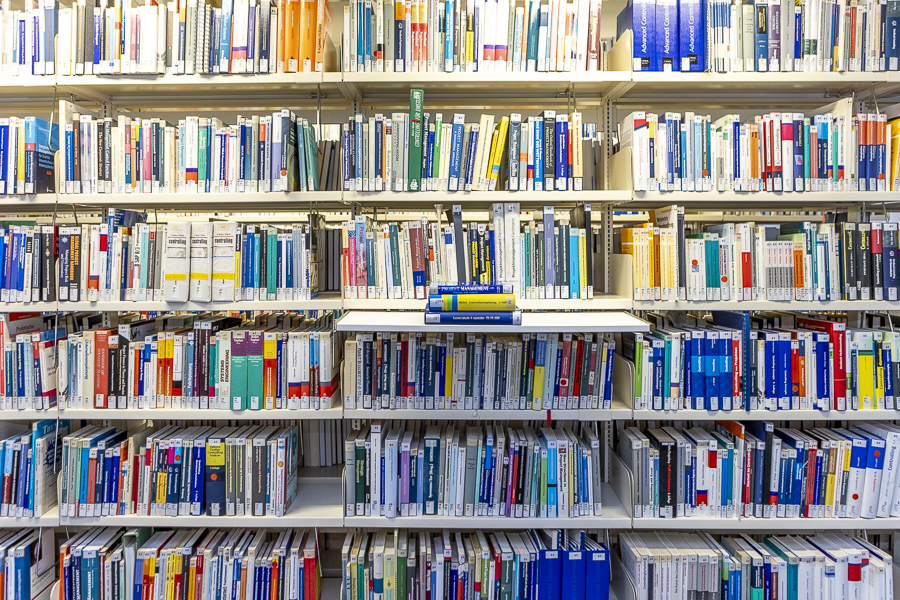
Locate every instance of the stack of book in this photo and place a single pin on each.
(831, 150)
(474, 371)
(829, 565)
(755, 469)
(734, 36)
(130, 564)
(465, 304)
(167, 471)
(473, 472)
(553, 564)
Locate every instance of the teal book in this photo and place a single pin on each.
(311, 148)
(255, 375)
(239, 369)
(416, 107)
(272, 264)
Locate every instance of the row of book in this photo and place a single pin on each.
(760, 35)
(110, 563)
(27, 147)
(754, 469)
(453, 37)
(834, 150)
(28, 558)
(547, 152)
(665, 565)
(278, 152)
(28, 459)
(545, 564)
(788, 262)
(168, 471)
(204, 262)
(479, 471)
(739, 361)
(476, 371)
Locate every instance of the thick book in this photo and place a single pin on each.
(475, 317)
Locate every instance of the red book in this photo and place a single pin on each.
(837, 333)
(101, 379)
(810, 480)
(579, 360)
(564, 370)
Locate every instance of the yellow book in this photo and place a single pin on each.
(878, 399)
(448, 366)
(497, 153)
(192, 575)
(582, 263)
(20, 159)
(540, 359)
(865, 360)
(630, 238)
(894, 147)
(472, 302)
(829, 479)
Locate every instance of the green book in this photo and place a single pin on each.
(395, 256)
(255, 390)
(272, 263)
(202, 144)
(402, 544)
(239, 350)
(436, 161)
(312, 156)
(416, 104)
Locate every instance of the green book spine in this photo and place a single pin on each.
(395, 255)
(203, 142)
(272, 264)
(401, 578)
(239, 370)
(312, 156)
(638, 367)
(255, 389)
(416, 104)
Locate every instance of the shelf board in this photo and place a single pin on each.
(27, 415)
(687, 523)
(765, 415)
(261, 201)
(484, 415)
(134, 414)
(315, 505)
(22, 203)
(757, 200)
(599, 302)
(330, 301)
(28, 86)
(408, 200)
(614, 517)
(48, 519)
(793, 305)
(800, 524)
(531, 322)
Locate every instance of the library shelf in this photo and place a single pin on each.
(483, 199)
(27, 307)
(614, 516)
(153, 414)
(531, 323)
(212, 202)
(598, 302)
(28, 414)
(326, 301)
(832, 524)
(618, 411)
(317, 504)
(791, 305)
(24, 202)
(766, 415)
(32, 87)
(48, 519)
(687, 523)
(758, 200)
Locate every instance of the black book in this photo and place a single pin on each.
(47, 259)
(666, 474)
(864, 252)
(877, 262)
(75, 264)
(849, 242)
(549, 149)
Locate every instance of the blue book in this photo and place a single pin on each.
(640, 17)
(862, 175)
(456, 141)
(712, 362)
(698, 365)
(449, 29)
(400, 34)
(667, 36)
(428, 159)
(368, 23)
(470, 288)
(692, 35)
(671, 135)
(549, 438)
(345, 156)
(881, 176)
(657, 359)
(562, 152)
(538, 156)
(474, 317)
(892, 39)
(573, 573)
(359, 149)
(761, 10)
(470, 159)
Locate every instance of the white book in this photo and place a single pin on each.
(175, 287)
(201, 261)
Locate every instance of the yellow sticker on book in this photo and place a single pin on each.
(176, 277)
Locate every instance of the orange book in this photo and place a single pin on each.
(885, 150)
(270, 367)
(308, 12)
(292, 37)
(280, 47)
(754, 152)
(161, 369)
(324, 20)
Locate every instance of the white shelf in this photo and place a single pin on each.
(797, 523)
(315, 505)
(48, 519)
(401, 200)
(793, 305)
(261, 201)
(328, 301)
(122, 86)
(27, 415)
(614, 517)
(687, 523)
(531, 322)
(599, 302)
(765, 415)
(21, 307)
(756, 200)
(333, 413)
(618, 411)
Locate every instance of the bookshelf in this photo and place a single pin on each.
(605, 96)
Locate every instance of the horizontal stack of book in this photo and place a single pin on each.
(129, 564)
(279, 152)
(832, 150)
(27, 147)
(789, 262)
(773, 362)
(472, 304)
(167, 471)
(829, 565)
(552, 151)
(754, 469)
(538, 255)
(474, 371)
(441, 36)
(473, 472)
(722, 36)
(554, 564)
(28, 464)
(270, 361)
(185, 37)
